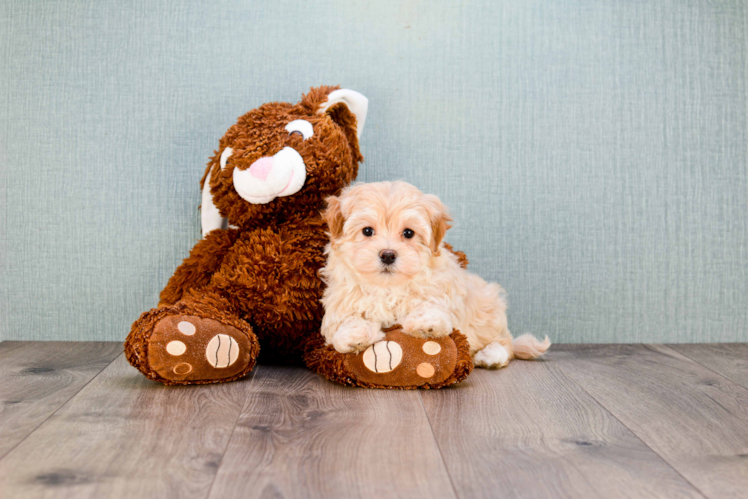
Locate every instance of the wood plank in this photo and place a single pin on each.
(729, 360)
(125, 436)
(39, 377)
(528, 431)
(692, 417)
(8, 347)
(301, 436)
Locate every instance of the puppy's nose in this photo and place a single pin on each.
(388, 256)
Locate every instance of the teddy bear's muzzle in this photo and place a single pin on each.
(282, 174)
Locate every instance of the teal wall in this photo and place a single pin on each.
(593, 152)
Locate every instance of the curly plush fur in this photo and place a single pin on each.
(260, 276)
(254, 286)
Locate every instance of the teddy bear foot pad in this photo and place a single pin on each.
(404, 361)
(185, 348)
(399, 361)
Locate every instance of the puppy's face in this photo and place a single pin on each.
(387, 232)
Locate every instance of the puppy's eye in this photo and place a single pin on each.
(368, 231)
(408, 233)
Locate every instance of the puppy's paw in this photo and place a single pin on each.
(356, 336)
(428, 323)
(494, 355)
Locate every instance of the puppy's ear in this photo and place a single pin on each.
(333, 215)
(440, 220)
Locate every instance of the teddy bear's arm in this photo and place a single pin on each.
(461, 257)
(196, 270)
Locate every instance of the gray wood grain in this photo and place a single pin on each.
(39, 377)
(301, 436)
(8, 345)
(692, 417)
(729, 360)
(125, 436)
(608, 421)
(528, 431)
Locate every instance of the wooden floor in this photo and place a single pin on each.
(589, 421)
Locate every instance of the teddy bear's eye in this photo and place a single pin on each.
(368, 231)
(225, 157)
(302, 127)
(408, 233)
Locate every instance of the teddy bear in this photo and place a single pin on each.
(251, 283)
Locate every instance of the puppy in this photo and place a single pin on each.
(387, 265)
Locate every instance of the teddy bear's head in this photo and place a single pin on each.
(284, 158)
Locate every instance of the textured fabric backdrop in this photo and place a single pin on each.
(593, 152)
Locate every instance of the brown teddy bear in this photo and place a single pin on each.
(252, 280)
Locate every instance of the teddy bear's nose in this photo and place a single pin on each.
(261, 168)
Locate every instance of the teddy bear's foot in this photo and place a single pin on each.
(188, 348)
(181, 348)
(400, 361)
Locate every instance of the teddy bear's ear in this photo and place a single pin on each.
(210, 217)
(356, 103)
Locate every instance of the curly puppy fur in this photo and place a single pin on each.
(386, 265)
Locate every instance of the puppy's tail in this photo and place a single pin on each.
(528, 347)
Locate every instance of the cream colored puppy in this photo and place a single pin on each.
(387, 265)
